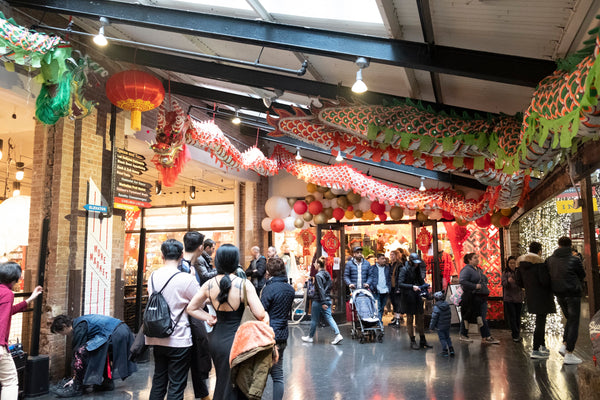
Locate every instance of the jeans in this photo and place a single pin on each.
(571, 308)
(444, 336)
(317, 310)
(539, 333)
(513, 317)
(381, 301)
(171, 366)
(277, 373)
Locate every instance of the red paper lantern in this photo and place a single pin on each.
(484, 221)
(383, 217)
(277, 225)
(377, 208)
(300, 207)
(505, 221)
(135, 91)
(315, 207)
(447, 216)
(349, 208)
(338, 213)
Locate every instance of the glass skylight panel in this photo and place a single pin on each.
(365, 11)
(189, 4)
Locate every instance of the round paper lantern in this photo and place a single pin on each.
(315, 207)
(461, 222)
(447, 216)
(322, 189)
(289, 223)
(342, 201)
(353, 198)
(421, 217)
(382, 217)
(320, 218)
(277, 207)
(299, 223)
(507, 212)
(505, 221)
(266, 224)
(364, 204)
(396, 213)
(369, 215)
(496, 219)
(311, 188)
(377, 208)
(358, 213)
(277, 225)
(349, 214)
(484, 221)
(329, 195)
(309, 198)
(328, 212)
(349, 208)
(135, 91)
(307, 216)
(300, 207)
(338, 213)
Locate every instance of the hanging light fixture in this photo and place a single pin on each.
(16, 189)
(184, 207)
(339, 157)
(236, 119)
(20, 170)
(360, 86)
(192, 192)
(422, 188)
(298, 155)
(158, 187)
(100, 39)
(1, 148)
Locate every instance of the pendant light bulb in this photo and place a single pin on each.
(422, 188)
(339, 157)
(298, 155)
(360, 86)
(236, 119)
(1, 148)
(184, 207)
(20, 171)
(158, 187)
(100, 39)
(192, 192)
(16, 189)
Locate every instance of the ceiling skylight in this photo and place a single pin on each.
(365, 11)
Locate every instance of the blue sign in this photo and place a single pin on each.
(95, 208)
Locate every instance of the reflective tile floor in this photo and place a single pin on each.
(390, 370)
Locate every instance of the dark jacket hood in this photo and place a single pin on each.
(443, 305)
(528, 260)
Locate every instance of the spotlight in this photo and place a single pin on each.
(359, 86)
(298, 155)
(14, 116)
(422, 188)
(158, 187)
(16, 189)
(339, 157)
(100, 39)
(20, 170)
(192, 192)
(236, 119)
(184, 207)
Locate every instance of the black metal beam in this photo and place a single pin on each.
(347, 46)
(428, 36)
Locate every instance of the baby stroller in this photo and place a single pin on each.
(366, 325)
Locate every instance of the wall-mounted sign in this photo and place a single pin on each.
(128, 191)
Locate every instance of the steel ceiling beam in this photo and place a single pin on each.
(347, 46)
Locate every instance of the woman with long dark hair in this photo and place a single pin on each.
(226, 294)
(513, 298)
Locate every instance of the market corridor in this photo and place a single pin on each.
(390, 370)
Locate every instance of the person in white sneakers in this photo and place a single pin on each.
(321, 303)
(566, 273)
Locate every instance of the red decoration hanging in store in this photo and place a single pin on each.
(330, 243)
(307, 238)
(135, 91)
(424, 240)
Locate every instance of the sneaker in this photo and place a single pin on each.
(444, 353)
(517, 339)
(545, 350)
(338, 338)
(307, 339)
(451, 351)
(463, 338)
(69, 391)
(571, 358)
(562, 350)
(538, 355)
(490, 340)
(393, 321)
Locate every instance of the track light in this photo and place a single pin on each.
(16, 189)
(192, 192)
(184, 207)
(339, 157)
(236, 119)
(422, 188)
(360, 86)
(298, 155)
(100, 39)
(158, 187)
(20, 171)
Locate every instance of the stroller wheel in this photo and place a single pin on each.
(362, 340)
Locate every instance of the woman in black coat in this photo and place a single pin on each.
(410, 281)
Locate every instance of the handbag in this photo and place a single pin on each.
(137, 351)
(456, 297)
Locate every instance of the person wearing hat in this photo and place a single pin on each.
(358, 272)
(410, 282)
(441, 319)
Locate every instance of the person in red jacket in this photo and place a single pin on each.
(10, 273)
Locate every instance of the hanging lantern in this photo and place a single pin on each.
(135, 91)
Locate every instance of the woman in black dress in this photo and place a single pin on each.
(225, 293)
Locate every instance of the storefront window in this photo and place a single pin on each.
(165, 218)
(212, 216)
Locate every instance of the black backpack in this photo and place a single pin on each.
(157, 315)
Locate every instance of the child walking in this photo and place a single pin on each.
(440, 320)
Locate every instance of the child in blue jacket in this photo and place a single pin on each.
(440, 320)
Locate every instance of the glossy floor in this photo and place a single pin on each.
(390, 370)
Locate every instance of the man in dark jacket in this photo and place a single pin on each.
(533, 275)
(567, 274)
(358, 272)
(277, 298)
(205, 269)
(257, 269)
(410, 282)
(383, 285)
